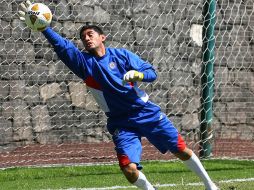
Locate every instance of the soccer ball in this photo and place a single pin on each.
(38, 17)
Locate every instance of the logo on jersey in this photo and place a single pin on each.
(112, 65)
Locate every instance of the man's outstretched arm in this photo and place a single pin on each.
(67, 52)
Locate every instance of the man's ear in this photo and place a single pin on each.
(103, 37)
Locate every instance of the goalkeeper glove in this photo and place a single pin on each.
(133, 76)
(23, 9)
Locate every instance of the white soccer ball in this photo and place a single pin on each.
(38, 16)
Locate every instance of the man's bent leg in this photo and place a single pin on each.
(129, 148)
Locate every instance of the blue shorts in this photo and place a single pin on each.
(149, 122)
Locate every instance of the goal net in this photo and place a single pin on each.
(47, 115)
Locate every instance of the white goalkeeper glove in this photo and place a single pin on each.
(23, 9)
(133, 76)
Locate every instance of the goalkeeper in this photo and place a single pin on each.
(111, 75)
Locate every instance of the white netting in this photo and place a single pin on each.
(48, 116)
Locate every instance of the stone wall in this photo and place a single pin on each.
(41, 101)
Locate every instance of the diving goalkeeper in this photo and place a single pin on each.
(111, 75)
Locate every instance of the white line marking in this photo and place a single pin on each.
(236, 180)
(159, 185)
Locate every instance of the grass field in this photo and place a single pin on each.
(229, 174)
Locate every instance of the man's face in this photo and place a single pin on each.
(92, 40)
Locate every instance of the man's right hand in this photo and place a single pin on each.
(23, 9)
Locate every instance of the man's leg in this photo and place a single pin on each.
(136, 177)
(164, 136)
(128, 148)
(194, 164)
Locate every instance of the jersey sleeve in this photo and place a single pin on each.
(67, 52)
(138, 64)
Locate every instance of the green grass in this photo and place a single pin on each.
(110, 175)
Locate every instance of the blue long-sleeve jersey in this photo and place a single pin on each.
(103, 75)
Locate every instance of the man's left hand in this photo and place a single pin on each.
(133, 76)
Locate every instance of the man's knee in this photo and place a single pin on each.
(131, 172)
(129, 169)
(184, 154)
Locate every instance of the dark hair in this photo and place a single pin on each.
(88, 26)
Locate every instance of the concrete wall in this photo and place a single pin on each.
(41, 101)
